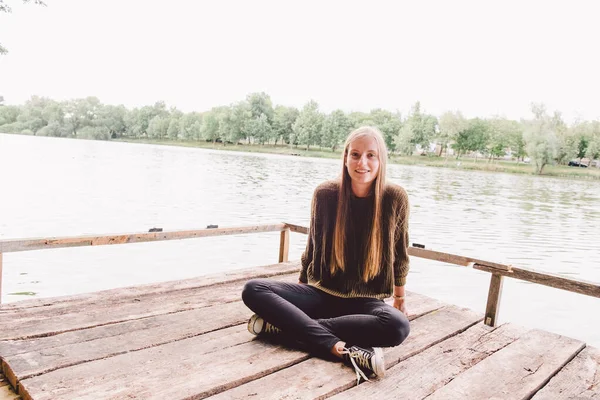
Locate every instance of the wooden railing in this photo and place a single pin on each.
(498, 271)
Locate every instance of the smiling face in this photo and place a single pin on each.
(362, 164)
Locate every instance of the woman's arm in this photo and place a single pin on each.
(308, 254)
(401, 259)
(399, 299)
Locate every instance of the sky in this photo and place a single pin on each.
(483, 58)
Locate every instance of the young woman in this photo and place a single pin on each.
(356, 256)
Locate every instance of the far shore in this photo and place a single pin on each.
(464, 163)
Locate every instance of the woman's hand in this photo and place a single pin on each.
(400, 304)
(400, 299)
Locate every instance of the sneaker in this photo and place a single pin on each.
(257, 326)
(369, 360)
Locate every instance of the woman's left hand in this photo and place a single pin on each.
(400, 304)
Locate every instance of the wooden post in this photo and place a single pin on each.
(493, 301)
(0, 278)
(284, 245)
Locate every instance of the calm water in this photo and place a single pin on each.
(58, 187)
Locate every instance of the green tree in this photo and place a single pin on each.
(113, 118)
(81, 112)
(474, 138)
(593, 148)
(582, 134)
(516, 141)
(210, 126)
(35, 113)
(9, 114)
(499, 137)
(389, 124)
(173, 129)
(283, 120)
(158, 127)
(259, 129)
(358, 119)
(566, 140)
(259, 104)
(133, 125)
(307, 128)
(54, 129)
(191, 126)
(233, 122)
(336, 127)
(144, 115)
(423, 126)
(541, 137)
(450, 124)
(404, 141)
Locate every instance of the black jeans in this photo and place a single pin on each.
(320, 320)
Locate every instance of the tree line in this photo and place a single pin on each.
(545, 138)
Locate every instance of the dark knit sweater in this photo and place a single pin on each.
(317, 256)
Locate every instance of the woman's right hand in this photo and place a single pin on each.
(400, 304)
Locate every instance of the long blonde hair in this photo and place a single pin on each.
(374, 250)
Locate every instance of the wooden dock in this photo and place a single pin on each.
(188, 340)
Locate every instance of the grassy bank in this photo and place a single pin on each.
(429, 161)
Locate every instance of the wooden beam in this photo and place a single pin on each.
(493, 301)
(453, 258)
(297, 228)
(547, 279)
(284, 245)
(13, 245)
(543, 278)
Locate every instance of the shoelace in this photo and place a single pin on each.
(362, 359)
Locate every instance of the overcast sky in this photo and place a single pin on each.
(481, 57)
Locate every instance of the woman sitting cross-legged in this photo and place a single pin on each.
(356, 256)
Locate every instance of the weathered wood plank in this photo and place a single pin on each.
(316, 377)
(121, 294)
(517, 371)
(178, 370)
(579, 379)
(107, 341)
(284, 245)
(453, 258)
(542, 278)
(492, 307)
(211, 342)
(442, 324)
(421, 375)
(311, 379)
(297, 228)
(548, 279)
(13, 245)
(36, 323)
